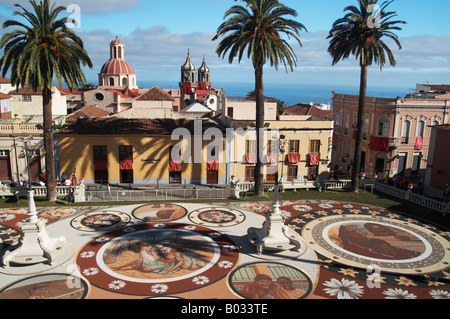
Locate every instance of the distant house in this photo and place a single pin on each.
(437, 178)
(87, 111)
(396, 133)
(5, 106)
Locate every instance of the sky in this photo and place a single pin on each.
(158, 34)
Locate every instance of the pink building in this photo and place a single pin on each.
(437, 178)
(396, 133)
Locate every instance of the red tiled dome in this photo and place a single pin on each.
(116, 66)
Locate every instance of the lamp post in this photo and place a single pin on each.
(35, 245)
(275, 236)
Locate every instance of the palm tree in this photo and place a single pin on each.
(257, 30)
(360, 33)
(37, 49)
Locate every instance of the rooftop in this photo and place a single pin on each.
(123, 126)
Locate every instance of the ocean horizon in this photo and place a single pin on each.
(292, 93)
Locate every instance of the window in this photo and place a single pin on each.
(402, 163)
(365, 128)
(383, 127)
(314, 146)
(405, 131)
(420, 128)
(292, 172)
(26, 98)
(100, 164)
(126, 163)
(337, 119)
(230, 112)
(271, 174)
(347, 123)
(415, 168)
(99, 97)
(250, 147)
(294, 147)
(250, 174)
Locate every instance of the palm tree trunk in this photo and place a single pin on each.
(48, 145)
(259, 94)
(359, 129)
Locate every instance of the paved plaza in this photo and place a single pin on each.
(202, 251)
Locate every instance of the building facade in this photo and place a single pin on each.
(396, 134)
(141, 151)
(437, 178)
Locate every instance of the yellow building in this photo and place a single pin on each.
(302, 144)
(143, 151)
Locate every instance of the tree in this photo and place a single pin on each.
(361, 33)
(258, 30)
(40, 47)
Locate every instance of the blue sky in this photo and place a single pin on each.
(158, 33)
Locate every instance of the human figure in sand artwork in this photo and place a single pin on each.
(163, 259)
(149, 260)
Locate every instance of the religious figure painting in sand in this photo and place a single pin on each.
(153, 254)
(376, 240)
(270, 281)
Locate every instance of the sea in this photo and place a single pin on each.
(293, 94)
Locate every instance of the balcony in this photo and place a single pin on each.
(394, 142)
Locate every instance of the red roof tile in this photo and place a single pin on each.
(88, 111)
(155, 94)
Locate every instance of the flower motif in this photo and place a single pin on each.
(344, 289)
(6, 217)
(90, 271)
(440, 294)
(87, 254)
(102, 239)
(160, 225)
(200, 280)
(190, 227)
(116, 284)
(225, 264)
(159, 288)
(326, 205)
(285, 213)
(302, 208)
(398, 293)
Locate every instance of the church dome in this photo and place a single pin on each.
(188, 65)
(203, 67)
(117, 66)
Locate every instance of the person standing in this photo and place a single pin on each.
(108, 194)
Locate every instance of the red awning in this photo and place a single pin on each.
(186, 87)
(419, 143)
(250, 158)
(380, 144)
(174, 166)
(293, 158)
(126, 164)
(213, 166)
(272, 158)
(314, 159)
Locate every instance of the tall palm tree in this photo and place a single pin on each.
(258, 31)
(360, 33)
(42, 46)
